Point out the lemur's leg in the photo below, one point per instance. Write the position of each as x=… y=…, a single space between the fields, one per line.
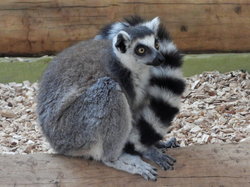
x=96 y=124
x=112 y=112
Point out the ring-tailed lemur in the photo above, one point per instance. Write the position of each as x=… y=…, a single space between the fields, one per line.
x=165 y=85
x=92 y=94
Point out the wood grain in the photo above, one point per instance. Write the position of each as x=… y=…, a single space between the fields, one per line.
x=48 y=26
x=201 y=165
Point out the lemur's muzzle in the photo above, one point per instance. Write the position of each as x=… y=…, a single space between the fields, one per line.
x=158 y=60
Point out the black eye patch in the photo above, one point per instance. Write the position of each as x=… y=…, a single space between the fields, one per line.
x=157 y=45
x=141 y=50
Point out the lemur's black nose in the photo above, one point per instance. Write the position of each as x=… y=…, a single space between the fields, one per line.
x=159 y=59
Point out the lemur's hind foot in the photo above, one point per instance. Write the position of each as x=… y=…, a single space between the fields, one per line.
x=134 y=165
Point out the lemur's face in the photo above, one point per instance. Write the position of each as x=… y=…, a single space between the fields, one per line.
x=142 y=51
x=145 y=51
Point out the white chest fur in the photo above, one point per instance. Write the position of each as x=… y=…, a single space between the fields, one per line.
x=141 y=81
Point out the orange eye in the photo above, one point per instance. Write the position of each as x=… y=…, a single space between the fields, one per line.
x=157 y=45
x=141 y=50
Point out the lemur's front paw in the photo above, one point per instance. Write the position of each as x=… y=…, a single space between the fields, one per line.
x=166 y=162
x=172 y=143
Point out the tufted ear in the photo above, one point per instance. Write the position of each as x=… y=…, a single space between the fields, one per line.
x=122 y=41
x=153 y=25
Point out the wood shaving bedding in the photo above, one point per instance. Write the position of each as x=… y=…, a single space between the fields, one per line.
x=215 y=109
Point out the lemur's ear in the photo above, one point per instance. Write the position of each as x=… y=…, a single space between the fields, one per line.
x=153 y=25
x=122 y=41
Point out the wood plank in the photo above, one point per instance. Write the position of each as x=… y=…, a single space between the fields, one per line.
x=48 y=26
x=201 y=165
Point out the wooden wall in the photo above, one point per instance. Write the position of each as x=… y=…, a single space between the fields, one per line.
x=48 y=26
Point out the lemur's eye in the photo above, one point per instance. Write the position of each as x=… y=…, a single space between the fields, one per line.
x=141 y=50
x=157 y=46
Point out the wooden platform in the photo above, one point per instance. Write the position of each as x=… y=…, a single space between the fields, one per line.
x=48 y=26
x=225 y=165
